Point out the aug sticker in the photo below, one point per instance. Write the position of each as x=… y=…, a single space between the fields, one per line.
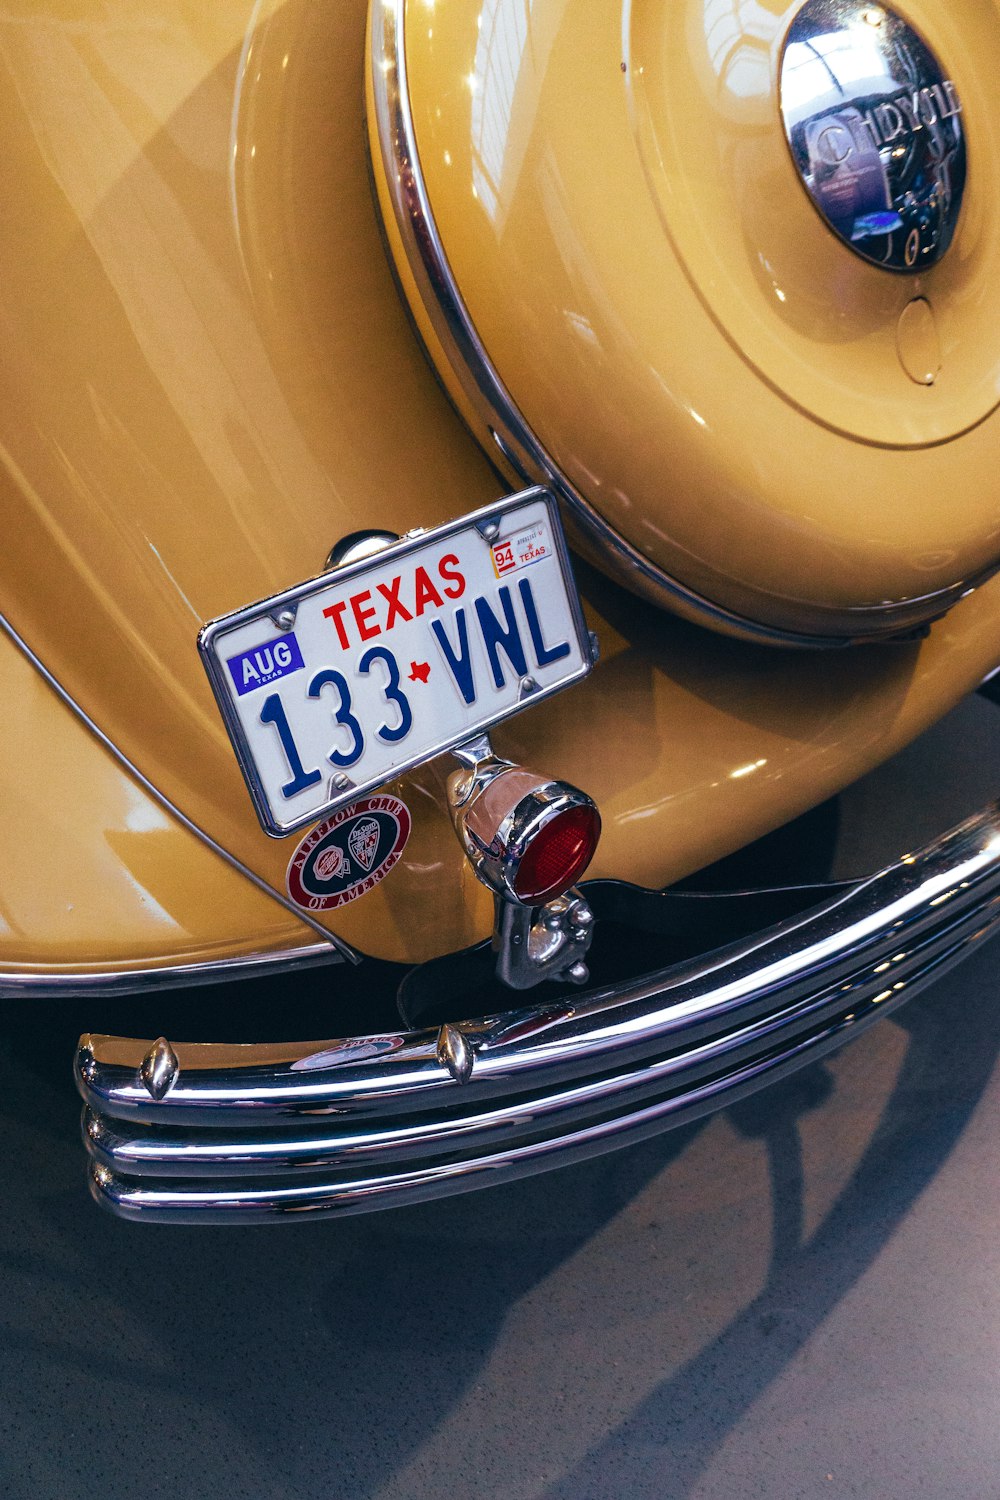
x=349 y=853
x=262 y=665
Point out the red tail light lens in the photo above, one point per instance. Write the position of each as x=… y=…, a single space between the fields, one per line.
x=558 y=855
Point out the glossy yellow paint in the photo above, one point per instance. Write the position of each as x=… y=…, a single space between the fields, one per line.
x=96 y=873
x=710 y=367
x=691 y=743
x=208 y=378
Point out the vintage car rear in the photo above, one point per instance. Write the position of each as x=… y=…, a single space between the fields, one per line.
x=314 y=316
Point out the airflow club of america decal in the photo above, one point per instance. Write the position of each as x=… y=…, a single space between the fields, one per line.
x=349 y=853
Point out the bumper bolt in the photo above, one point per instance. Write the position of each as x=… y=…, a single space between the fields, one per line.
x=160 y=1069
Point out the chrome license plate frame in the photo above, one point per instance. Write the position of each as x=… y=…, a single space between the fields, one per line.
x=505 y=594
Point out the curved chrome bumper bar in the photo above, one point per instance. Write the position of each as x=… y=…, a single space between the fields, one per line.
x=254 y=1133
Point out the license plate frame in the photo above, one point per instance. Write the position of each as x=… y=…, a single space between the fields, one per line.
x=228 y=644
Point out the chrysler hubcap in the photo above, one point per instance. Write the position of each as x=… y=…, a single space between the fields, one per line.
x=875 y=128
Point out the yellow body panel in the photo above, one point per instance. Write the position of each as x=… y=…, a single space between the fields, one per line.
x=208 y=378
x=96 y=872
x=697 y=353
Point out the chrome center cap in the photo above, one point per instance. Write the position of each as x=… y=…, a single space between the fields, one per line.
x=875 y=129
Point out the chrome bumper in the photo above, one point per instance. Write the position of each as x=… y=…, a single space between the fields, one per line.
x=248 y=1134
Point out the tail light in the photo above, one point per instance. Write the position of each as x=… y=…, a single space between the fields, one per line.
x=558 y=850
x=528 y=838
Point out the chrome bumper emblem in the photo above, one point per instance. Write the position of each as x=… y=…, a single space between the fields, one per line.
x=875 y=130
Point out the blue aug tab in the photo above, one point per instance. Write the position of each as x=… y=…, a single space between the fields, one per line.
x=265 y=664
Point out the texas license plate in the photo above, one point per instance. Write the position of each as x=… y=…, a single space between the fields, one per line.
x=333 y=688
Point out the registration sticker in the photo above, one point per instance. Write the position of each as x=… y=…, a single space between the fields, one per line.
x=347 y=855
x=528 y=546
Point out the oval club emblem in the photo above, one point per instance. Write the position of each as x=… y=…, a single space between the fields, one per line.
x=347 y=854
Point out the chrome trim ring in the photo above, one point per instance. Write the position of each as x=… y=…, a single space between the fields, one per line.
x=515 y=440
x=262 y=1133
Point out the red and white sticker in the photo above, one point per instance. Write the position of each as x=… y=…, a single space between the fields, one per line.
x=347 y=854
x=522 y=549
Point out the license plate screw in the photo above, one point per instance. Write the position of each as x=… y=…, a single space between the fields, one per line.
x=527 y=686
x=284 y=619
x=489 y=530
x=341 y=782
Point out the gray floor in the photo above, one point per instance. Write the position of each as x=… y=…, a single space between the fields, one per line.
x=800 y=1297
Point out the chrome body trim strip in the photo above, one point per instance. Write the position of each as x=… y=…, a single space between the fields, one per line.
x=51 y=984
x=259 y=1133
x=17 y=640
x=515 y=439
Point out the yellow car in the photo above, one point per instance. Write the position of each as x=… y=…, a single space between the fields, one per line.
x=468 y=468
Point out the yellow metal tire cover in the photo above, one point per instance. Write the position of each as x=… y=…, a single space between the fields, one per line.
x=804 y=439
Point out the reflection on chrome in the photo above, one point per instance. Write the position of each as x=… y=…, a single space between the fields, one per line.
x=249 y=1134
x=875 y=129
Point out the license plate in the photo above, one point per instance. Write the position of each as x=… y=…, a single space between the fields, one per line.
x=335 y=687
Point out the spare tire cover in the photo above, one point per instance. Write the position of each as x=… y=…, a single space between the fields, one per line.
x=727 y=275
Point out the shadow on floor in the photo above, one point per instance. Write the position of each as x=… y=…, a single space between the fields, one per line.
x=320 y=1361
